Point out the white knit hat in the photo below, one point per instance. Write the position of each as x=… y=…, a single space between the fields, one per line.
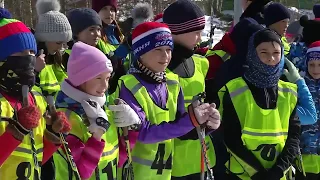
x=52 y=25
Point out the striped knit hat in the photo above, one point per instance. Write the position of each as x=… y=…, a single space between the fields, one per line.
x=15 y=37
x=184 y=16
x=150 y=35
x=313 y=52
x=159 y=18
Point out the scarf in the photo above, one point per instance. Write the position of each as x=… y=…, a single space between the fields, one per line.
x=70 y=97
x=139 y=68
x=109 y=31
x=259 y=74
x=16 y=71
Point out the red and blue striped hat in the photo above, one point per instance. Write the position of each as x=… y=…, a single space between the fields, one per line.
x=15 y=37
x=150 y=35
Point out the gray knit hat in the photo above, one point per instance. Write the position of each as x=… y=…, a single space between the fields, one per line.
x=52 y=26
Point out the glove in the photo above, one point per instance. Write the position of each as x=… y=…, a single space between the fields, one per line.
x=291 y=73
x=124 y=115
x=214 y=117
x=98 y=119
x=55 y=124
x=199 y=113
x=40 y=62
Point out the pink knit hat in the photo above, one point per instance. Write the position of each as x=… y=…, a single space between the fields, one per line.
x=85 y=63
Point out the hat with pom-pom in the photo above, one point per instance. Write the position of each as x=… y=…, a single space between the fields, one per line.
x=4 y=13
x=150 y=35
x=85 y=63
x=52 y=26
x=15 y=37
x=311 y=29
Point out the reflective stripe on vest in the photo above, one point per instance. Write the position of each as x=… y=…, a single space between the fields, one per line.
x=266 y=137
x=107 y=165
x=222 y=54
x=153 y=161
x=48 y=80
x=191 y=148
x=20 y=164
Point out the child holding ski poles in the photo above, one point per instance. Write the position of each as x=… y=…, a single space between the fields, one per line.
x=157 y=104
x=93 y=139
x=27 y=139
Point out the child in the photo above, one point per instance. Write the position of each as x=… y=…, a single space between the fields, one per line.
x=276 y=17
x=111 y=33
x=158 y=101
x=93 y=139
x=260 y=127
x=52 y=32
x=186 y=22
x=25 y=136
x=310 y=133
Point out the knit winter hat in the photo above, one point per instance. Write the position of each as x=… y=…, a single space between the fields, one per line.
x=150 y=35
x=311 y=29
x=275 y=12
x=85 y=63
x=82 y=18
x=15 y=37
x=159 y=18
x=313 y=52
x=316 y=10
x=52 y=25
x=142 y=12
x=97 y=5
x=5 y=13
x=184 y=16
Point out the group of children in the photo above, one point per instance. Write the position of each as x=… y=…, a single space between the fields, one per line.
x=77 y=113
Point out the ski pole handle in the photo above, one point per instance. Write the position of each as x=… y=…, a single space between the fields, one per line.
x=25 y=91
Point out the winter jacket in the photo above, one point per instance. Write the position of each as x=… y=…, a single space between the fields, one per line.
x=297 y=55
x=266 y=98
x=109 y=31
x=225 y=44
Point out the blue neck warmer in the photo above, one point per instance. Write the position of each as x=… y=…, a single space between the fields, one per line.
x=109 y=31
x=259 y=74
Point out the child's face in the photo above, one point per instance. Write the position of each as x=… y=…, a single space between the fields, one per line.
x=189 y=40
x=97 y=86
x=280 y=27
x=157 y=59
x=91 y=35
x=269 y=53
x=54 y=47
x=314 y=69
x=107 y=14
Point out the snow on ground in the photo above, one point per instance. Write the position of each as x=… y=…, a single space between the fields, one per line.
x=218 y=33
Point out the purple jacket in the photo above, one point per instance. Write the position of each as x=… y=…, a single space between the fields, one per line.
x=166 y=130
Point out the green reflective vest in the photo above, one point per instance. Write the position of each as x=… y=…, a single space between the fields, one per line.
x=222 y=54
x=266 y=136
x=107 y=165
x=48 y=80
x=286 y=45
x=187 y=153
x=153 y=161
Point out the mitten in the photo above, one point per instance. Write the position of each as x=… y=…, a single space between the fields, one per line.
x=292 y=72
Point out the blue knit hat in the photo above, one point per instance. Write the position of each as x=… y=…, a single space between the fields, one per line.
x=150 y=35
x=275 y=12
x=15 y=37
x=4 y=13
x=316 y=10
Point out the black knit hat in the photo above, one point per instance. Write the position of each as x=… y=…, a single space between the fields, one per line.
x=311 y=29
x=275 y=12
x=184 y=16
x=82 y=18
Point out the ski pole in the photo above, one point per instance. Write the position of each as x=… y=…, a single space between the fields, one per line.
x=25 y=103
x=53 y=113
x=204 y=157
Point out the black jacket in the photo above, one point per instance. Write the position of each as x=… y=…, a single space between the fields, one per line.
x=266 y=98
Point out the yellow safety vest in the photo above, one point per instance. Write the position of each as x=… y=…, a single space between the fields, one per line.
x=20 y=164
x=222 y=54
x=286 y=45
x=107 y=165
x=187 y=153
x=60 y=74
x=264 y=137
x=153 y=161
x=48 y=80
x=311 y=163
